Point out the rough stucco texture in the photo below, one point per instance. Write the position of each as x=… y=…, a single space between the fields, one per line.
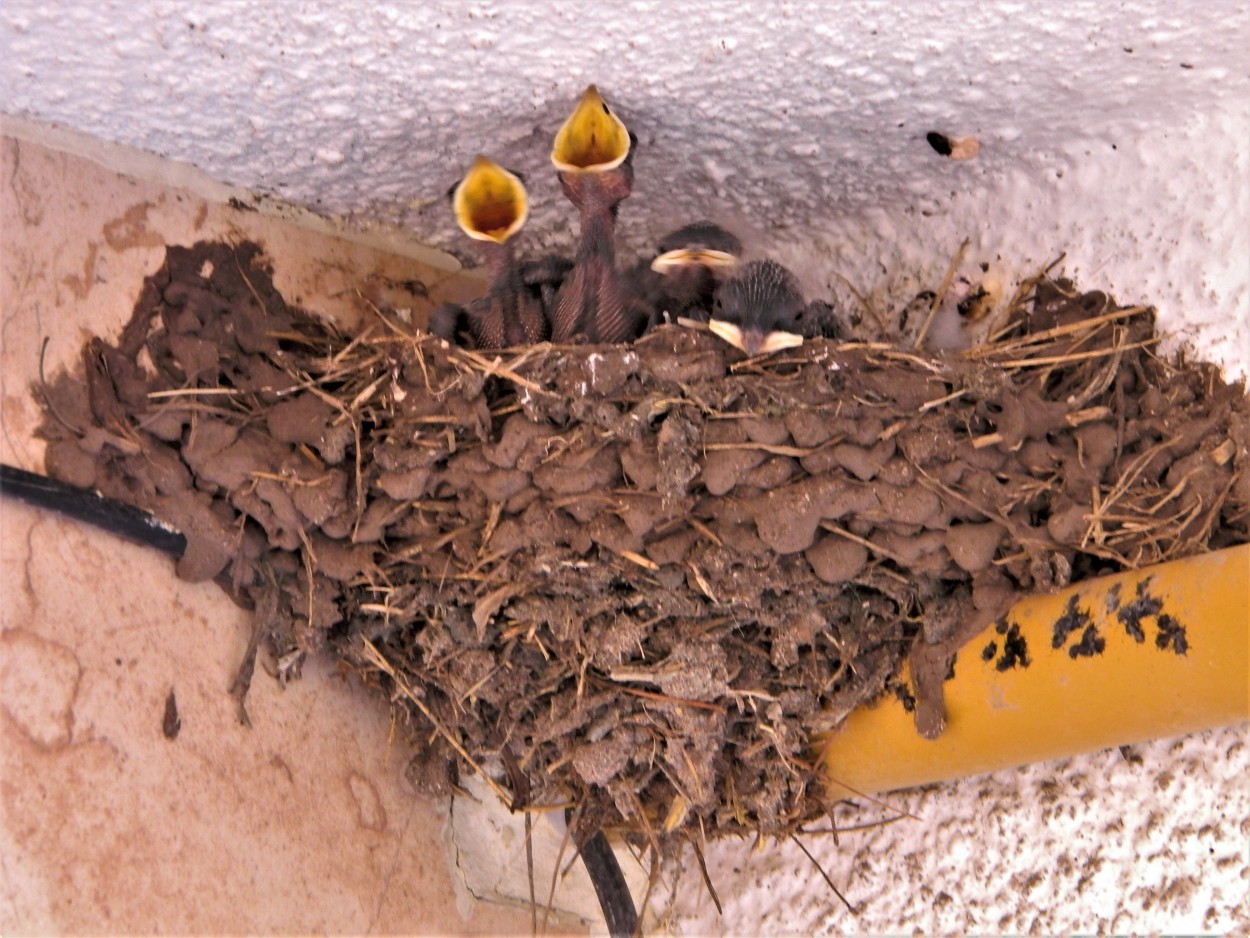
x=1152 y=838
x=1117 y=134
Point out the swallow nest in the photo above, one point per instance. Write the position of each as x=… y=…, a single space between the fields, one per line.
x=642 y=579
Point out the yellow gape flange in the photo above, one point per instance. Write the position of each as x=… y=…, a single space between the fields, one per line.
x=593 y=139
x=490 y=203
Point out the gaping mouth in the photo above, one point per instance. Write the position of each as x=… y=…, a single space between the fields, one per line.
x=592 y=140
x=752 y=341
x=490 y=203
x=690 y=257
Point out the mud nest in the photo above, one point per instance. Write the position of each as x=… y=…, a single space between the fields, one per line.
x=640 y=579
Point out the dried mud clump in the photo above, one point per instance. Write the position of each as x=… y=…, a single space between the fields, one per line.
x=639 y=579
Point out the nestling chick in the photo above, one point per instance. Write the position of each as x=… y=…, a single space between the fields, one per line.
x=593 y=155
x=543 y=278
x=761 y=310
x=491 y=206
x=683 y=277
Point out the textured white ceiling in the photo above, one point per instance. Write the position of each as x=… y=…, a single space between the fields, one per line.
x=1116 y=133
x=794 y=112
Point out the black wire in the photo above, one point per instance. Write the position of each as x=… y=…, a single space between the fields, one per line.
x=610 y=886
x=125 y=521
x=606 y=876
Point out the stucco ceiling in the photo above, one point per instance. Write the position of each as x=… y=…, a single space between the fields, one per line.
x=1105 y=129
x=792 y=115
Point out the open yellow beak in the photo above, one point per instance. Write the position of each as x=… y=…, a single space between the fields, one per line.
x=490 y=203
x=685 y=257
x=753 y=343
x=592 y=140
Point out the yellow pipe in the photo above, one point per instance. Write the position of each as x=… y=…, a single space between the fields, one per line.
x=1063 y=702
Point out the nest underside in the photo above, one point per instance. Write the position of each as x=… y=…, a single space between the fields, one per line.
x=639 y=579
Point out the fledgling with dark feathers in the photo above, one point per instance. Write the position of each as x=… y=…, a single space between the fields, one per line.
x=681 y=280
x=761 y=310
x=818 y=321
x=595 y=300
x=701 y=236
x=542 y=278
x=510 y=314
x=593 y=155
x=540 y=281
x=491 y=206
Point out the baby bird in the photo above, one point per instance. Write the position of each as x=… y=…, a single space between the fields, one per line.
x=682 y=279
x=761 y=310
x=543 y=277
x=593 y=154
x=491 y=206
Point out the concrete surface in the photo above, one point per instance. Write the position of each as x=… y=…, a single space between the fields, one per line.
x=1154 y=839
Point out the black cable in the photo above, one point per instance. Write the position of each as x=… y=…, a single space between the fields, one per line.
x=125 y=521
x=610 y=886
x=606 y=876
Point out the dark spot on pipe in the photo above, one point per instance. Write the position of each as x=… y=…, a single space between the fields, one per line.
x=1091 y=644
x=1143 y=606
x=1171 y=633
x=1113 y=598
x=1071 y=620
x=905 y=697
x=1015 y=651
